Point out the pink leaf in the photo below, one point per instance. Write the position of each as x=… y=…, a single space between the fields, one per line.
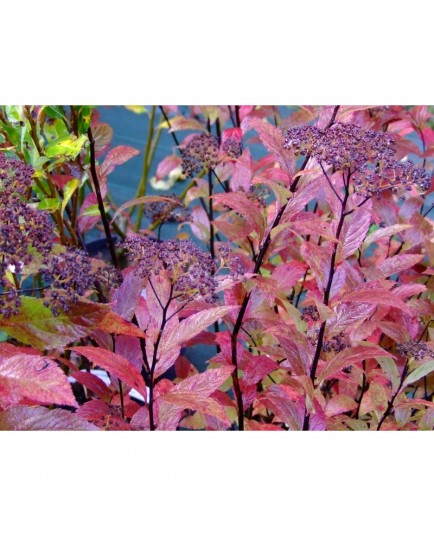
x=273 y=139
x=396 y=264
x=247 y=209
x=167 y=165
x=117 y=156
x=114 y=364
x=349 y=357
x=353 y=233
x=40 y=418
x=126 y=297
x=376 y=296
x=36 y=378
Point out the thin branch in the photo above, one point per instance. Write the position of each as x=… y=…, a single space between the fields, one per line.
x=105 y=222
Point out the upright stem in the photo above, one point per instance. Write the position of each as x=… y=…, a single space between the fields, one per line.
x=154 y=356
x=101 y=208
x=146 y=165
x=327 y=295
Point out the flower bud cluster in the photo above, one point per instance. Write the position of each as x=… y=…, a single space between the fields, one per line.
x=201 y=152
x=369 y=155
x=190 y=270
x=167 y=211
x=25 y=232
x=414 y=350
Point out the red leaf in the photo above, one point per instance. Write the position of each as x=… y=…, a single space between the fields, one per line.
x=103 y=415
x=40 y=418
x=256 y=367
x=318 y=259
x=114 y=364
x=35 y=378
x=376 y=296
x=286 y=404
x=93 y=383
x=249 y=211
x=117 y=156
x=193 y=393
x=194 y=324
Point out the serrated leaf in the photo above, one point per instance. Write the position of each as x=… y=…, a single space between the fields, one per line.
x=386 y=232
x=272 y=138
x=114 y=364
x=353 y=233
x=193 y=393
x=35 y=378
x=193 y=325
x=348 y=357
x=247 y=209
x=376 y=296
x=40 y=418
x=117 y=156
x=396 y=264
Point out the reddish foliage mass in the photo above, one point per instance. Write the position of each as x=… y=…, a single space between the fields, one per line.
x=309 y=280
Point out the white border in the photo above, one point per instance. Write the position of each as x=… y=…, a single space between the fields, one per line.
x=196 y=52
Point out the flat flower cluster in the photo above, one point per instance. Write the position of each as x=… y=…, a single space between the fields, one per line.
x=201 y=152
x=369 y=155
x=165 y=211
x=190 y=270
x=414 y=350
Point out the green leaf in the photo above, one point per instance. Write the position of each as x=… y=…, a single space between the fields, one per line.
x=93 y=210
x=66 y=146
x=69 y=189
x=14 y=113
x=51 y=205
x=420 y=372
x=84 y=116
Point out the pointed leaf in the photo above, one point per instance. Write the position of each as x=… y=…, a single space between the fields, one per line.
x=193 y=325
x=114 y=364
x=348 y=357
x=420 y=372
x=117 y=156
x=247 y=209
x=396 y=264
x=353 y=232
